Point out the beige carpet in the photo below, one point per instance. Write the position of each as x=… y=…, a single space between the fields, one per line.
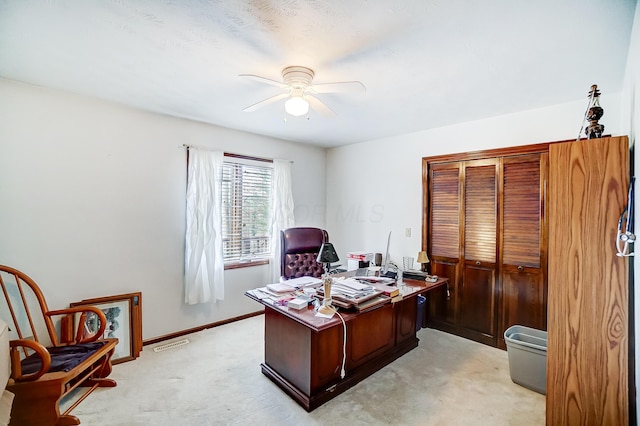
x=216 y=380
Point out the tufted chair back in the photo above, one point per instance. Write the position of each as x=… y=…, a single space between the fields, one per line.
x=300 y=248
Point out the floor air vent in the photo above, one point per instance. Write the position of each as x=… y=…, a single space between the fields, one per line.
x=170 y=345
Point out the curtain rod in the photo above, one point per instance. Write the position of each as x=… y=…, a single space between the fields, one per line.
x=231 y=154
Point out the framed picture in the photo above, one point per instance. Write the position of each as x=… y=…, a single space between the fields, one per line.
x=124 y=322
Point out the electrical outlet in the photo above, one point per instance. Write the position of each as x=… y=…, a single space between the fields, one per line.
x=407 y=232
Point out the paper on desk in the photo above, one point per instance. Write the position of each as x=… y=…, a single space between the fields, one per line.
x=337 y=288
x=281 y=287
x=259 y=294
x=268 y=292
x=303 y=281
x=353 y=284
x=321 y=315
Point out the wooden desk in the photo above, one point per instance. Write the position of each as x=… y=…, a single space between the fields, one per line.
x=304 y=353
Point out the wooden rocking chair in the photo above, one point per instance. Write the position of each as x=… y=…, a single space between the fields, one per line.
x=44 y=367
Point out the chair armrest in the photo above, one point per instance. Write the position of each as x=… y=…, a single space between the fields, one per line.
x=16 y=367
x=81 y=334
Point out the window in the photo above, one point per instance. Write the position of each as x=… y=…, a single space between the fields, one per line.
x=246 y=203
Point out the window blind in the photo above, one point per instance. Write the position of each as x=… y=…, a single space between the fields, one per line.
x=246 y=195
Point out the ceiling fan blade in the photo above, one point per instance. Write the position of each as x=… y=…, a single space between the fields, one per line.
x=264 y=80
x=320 y=106
x=339 y=87
x=266 y=102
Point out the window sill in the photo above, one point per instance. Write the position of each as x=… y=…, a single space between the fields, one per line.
x=246 y=264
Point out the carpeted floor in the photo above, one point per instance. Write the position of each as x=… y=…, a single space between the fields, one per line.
x=216 y=380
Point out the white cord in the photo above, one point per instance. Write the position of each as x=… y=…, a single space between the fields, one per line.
x=344 y=342
x=344 y=346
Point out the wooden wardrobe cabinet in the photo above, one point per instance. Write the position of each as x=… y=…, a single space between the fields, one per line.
x=486 y=232
x=588 y=338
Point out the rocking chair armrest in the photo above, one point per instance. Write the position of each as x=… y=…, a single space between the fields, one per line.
x=81 y=335
x=16 y=366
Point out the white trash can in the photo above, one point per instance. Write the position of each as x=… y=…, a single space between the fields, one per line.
x=527 y=351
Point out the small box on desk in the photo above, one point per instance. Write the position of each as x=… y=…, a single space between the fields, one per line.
x=354 y=264
x=298 y=303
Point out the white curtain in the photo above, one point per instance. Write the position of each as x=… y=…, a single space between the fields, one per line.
x=281 y=211
x=204 y=263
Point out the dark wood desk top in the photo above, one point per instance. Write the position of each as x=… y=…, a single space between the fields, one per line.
x=308 y=316
x=424 y=286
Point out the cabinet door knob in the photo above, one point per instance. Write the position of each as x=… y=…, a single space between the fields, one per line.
x=520 y=268
x=478 y=263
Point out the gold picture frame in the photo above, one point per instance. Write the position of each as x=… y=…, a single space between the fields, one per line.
x=124 y=321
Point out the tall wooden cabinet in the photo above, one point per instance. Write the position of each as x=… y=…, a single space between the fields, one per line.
x=486 y=232
x=587 y=355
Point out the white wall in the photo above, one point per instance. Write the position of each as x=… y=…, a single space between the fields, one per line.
x=376 y=187
x=92 y=199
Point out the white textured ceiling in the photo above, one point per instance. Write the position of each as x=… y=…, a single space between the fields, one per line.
x=425 y=63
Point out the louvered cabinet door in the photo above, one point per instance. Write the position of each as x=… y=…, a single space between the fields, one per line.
x=478 y=292
x=444 y=241
x=523 y=244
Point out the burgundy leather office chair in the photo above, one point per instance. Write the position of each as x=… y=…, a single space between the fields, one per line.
x=300 y=248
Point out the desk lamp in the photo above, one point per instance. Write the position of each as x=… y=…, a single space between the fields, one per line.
x=423 y=259
x=326 y=256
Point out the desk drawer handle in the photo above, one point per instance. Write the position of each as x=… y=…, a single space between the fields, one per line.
x=521 y=268
x=478 y=263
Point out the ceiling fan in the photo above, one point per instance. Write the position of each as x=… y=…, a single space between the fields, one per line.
x=300 y=92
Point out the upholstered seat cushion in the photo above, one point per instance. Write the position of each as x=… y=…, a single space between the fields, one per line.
x=63 y=358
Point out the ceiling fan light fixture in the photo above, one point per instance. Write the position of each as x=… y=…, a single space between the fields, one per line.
x=296 y=106
x=300 y=92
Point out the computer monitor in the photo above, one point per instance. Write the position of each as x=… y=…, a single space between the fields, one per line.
x=385 y=265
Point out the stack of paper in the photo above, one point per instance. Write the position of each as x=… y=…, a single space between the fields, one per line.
x=352 y=291
x=281 y=288
x=303 y=282
x=353 y=284
x=294 y=284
